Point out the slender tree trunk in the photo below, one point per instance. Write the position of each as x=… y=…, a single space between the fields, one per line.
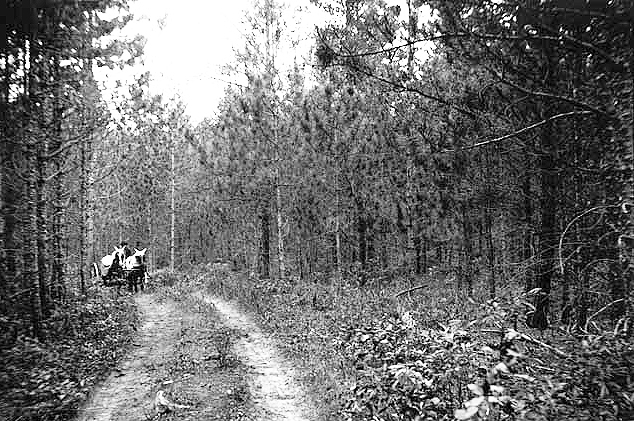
x=120 y=216
x=31 y=231
x=417 y=248
x=9 y=211
x=468 y=249
x=82 y=221
x=621 y=285
x=91 y=251
x=547 y=237
x=150 y=263
x=30 y=255
x=6 y=148
x=57 y=270
x=411 y=234
x=527 y=250
x=629 y=270
x=370 y=233
x=264 y=261
x=42 y=228
x=362 y=239
x=280 y=231
x=172 y=206
x=338 y=236
x=338 y=222
x=491 y=250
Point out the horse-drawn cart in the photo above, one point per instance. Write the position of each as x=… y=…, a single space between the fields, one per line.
x=135 y=277
x=118 y=270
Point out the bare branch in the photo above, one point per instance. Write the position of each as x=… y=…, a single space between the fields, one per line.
x=497 y=37
x=518 y=132
x=409 y=290
x=547 y=95
x=571 y=223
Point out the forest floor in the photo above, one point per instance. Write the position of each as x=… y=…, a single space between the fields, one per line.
x=210 y=361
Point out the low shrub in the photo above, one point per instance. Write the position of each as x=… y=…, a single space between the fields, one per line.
x=85 y=338
x=434 y=354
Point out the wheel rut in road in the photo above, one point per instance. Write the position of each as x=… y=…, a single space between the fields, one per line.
x=275 y=393
x=124 y=394
x=129 y=391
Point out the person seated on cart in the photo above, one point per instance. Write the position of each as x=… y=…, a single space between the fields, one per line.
x=113 y=264
x=126 y=250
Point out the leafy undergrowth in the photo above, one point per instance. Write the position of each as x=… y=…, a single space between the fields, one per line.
x=85 y=338
x=434 y=355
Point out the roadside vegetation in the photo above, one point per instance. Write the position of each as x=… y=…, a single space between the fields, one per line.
x=435 y=354
x=50 y=377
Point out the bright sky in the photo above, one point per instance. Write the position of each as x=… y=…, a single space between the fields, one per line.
x=190 y=41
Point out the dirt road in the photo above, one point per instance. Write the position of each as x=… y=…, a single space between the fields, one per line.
x=176 y=351
x=125 y=391
x=271 y=380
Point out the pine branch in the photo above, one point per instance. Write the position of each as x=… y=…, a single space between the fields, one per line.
x=403 y=88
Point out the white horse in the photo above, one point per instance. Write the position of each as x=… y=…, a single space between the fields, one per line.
x=134 y=268
x=112 y=264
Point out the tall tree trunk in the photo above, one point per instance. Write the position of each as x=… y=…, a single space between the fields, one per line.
x=57 y=208
x=280 y=231
x=621 y=285
x=547 y=236
x=264 y=261
x=6 y=148
x=362 y=239
x=31 y=229
x=338 y=232
x=150 y=240
x=490 y=249
x=527 y=247
x=42 y=226
x=172 y=206
x=30 y=255
x=467 y=228
x=82 y=220
x=338 y=215
x=10 y=200
x=91 y=251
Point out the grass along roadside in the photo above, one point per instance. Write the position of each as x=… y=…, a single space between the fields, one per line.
x=432 y=354
x=85 y=340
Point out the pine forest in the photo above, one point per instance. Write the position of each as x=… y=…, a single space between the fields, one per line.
x=426 y=215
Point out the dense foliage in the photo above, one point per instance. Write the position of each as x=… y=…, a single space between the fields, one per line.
x=433 y=356
x=51 y=117
x=49 y=380
x=493 y=139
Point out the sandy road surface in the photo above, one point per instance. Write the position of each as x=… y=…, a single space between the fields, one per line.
x=125 y=393
x=275 y=394
x=128 y=393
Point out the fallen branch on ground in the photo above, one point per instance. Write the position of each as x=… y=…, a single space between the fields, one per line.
x=409 y=290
